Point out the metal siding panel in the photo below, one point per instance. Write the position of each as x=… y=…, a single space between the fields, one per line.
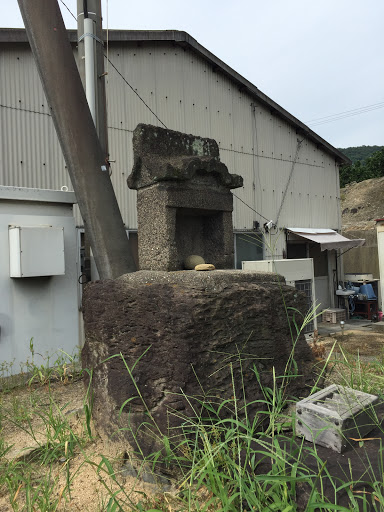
x=20 y=84
x=282 y=169
x=243 y=217
x=243 y=123
x=196 y=97
x=265 y=132
x=221 y=110
x=31 y=154
x=298 y=198
x=267 y=187
x=286 y=140
x=318 y=202
x=186 y=94
x=334 y=213
x=121 y=150
x=169 y=88
x=125 y=108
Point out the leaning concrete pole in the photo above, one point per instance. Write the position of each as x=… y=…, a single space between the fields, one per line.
x=76 y=131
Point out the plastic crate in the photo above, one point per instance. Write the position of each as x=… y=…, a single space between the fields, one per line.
x=334 y=316
x=335 y=415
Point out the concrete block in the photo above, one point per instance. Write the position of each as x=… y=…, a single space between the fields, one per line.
x=334 y=415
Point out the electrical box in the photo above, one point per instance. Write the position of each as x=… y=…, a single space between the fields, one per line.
x=36 y=251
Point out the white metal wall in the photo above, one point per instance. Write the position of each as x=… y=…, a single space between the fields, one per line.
x=42 y=308
x=187 y=95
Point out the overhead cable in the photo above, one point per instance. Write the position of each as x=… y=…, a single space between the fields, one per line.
x=250 y=207
x=69 y=10
x=345 y=114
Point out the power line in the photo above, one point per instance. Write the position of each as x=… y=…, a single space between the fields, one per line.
x=250 y=207
x=345 y=114
x=69 y=10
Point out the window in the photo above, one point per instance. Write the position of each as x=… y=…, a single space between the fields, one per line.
x=296 y=250
x=248 y=247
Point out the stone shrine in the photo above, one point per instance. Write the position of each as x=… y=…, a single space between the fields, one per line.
x=162 y=334
x=184 y=203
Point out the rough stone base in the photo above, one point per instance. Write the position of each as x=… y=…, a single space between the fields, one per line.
x=181 y=333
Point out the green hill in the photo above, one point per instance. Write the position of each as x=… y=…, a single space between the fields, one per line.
x=360 y=153
x=368 y=162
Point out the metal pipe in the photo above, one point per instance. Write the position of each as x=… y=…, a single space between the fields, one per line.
x=90 y=75
x=92 y=10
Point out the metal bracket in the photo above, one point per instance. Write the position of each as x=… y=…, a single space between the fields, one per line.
x=88 y=34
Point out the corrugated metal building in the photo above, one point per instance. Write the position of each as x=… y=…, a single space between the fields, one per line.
x=192 y=91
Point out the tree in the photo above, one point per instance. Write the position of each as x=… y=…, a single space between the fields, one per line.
x=373 y=167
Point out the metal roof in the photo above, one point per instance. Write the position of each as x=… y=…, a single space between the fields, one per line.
x=37 y=195
x=183 y=39
x=327 y=238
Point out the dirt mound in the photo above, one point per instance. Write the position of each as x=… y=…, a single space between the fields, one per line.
x=362 y=203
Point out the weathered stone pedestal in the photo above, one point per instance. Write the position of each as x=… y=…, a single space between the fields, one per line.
x=190 y=326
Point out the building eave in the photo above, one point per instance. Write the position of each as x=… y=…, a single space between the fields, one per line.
x=14 y=35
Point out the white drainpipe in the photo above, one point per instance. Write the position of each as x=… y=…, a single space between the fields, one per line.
x=89 y=56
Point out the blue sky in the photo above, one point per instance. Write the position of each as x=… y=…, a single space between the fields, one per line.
x=316 y=58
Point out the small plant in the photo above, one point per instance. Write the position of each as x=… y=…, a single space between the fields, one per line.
x=57 y=367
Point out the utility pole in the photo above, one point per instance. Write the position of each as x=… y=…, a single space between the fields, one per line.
x=84 y=155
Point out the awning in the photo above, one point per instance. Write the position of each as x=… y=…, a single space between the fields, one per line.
x=327 y=238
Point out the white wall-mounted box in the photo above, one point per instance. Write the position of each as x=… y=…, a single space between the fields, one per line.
x=36 y=251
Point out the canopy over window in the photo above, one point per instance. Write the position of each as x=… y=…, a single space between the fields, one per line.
x=327 y=238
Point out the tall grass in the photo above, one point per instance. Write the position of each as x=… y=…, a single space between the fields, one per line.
x=246 y=462
x=227 y=456
x=237 y=461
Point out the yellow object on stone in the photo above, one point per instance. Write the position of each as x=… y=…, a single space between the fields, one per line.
x=205 y=266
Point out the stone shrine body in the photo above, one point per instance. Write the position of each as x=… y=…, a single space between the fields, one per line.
x=184 y=202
